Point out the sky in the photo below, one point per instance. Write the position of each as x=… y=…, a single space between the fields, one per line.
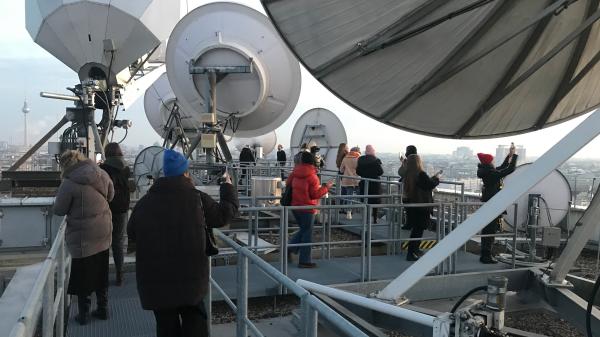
x=27 y=69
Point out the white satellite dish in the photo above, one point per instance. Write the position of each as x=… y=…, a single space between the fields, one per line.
x=554 y=189
x=159 y=100
x=92 y=37
x=148 y=163
x=228 y=34
x=267 y=142
x=322 y=127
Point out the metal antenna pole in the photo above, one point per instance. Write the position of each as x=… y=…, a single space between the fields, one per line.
x=559 y=153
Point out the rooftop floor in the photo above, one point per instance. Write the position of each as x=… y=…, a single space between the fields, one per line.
x=129 y=320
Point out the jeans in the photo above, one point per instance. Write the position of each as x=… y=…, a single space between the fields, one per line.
x=347 y=190
x=305 y=220
x=186 y=321
x=119 y=239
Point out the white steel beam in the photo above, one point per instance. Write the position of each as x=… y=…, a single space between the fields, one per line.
x=578 y=240
x=370 y=303
x=559 y=153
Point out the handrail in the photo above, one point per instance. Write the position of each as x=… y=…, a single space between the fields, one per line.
x=306 y=298
x=42 y=297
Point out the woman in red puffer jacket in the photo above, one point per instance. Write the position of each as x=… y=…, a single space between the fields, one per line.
x=306 y=191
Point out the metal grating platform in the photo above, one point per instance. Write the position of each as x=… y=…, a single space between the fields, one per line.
x=129 y=320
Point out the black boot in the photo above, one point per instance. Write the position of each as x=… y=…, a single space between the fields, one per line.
x=119 y=279
x=488 y=259
x=102 y=298
x=83 y=304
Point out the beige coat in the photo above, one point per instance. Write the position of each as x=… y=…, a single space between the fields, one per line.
x=348 y=168
x=83 y=197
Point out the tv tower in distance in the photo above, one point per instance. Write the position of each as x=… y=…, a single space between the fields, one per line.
x=25 y=111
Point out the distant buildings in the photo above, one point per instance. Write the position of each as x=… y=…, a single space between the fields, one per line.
x=462 y=152
x=502 y=152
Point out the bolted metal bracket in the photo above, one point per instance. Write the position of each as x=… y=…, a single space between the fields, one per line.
x=554 y=284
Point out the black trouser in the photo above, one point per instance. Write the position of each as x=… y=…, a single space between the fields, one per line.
x=84 y=301
x=119 y=239
x=487 y=242
x=415 y=233
x=418 y=219
x=186 y=321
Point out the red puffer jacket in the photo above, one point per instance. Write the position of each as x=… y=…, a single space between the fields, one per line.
x=306 y=189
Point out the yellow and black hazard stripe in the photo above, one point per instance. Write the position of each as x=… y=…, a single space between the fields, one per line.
x=425 y=244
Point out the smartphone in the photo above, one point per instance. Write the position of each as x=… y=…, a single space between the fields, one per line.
x=439 y=172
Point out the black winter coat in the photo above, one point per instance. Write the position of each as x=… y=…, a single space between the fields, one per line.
x=281 y=157
x=119 y=173
x=492 y=176
x=168 y=226
x=370 y=167
x=246 y=156
x=418 y=217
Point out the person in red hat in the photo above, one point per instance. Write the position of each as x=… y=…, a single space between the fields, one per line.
x=492 y=184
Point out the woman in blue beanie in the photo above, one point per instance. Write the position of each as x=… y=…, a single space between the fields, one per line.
x=169 y=226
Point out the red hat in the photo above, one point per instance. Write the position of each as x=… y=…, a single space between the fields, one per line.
x=485 y=158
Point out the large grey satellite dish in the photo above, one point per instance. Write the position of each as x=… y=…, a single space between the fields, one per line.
x=556 y=194
x=322 y=127
x=451 y=68
x=93 y=37
x=266 y=142
x=148 y=166
x=159 y=100
x=232 y=35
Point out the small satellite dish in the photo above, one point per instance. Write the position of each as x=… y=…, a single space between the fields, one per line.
x=97 y=37
x=232 y=35
x=159 y=100
x=554 y=189
x=148 y=166
x=266 y=142
x=322 y=127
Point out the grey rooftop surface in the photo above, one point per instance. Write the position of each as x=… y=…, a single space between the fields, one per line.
x=129 y=320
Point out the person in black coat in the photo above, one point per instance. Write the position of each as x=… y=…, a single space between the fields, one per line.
x=418 y=187
x=281 y=159
x=492 y=184
x=369 y=166
x=119 y=173
x=169 y=225
x=246 y=159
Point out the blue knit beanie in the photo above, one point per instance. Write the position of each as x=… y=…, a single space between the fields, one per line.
x=174 y=163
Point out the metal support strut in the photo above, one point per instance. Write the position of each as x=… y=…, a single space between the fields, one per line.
x=559 y=153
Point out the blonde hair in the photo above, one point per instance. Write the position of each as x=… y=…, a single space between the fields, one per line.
x=70 y=158
x=414 y=166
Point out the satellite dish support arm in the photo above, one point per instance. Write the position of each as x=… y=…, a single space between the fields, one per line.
x=39 y=144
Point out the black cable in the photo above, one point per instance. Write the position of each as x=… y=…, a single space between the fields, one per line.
x=126 y=132
x=465 y=296
x=588 y=313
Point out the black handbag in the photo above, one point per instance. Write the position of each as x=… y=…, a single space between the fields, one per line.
x=286 y=198
x=211 y=243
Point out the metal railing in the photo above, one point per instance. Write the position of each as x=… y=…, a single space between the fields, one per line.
x=311 y=307
x=44 y=300
x=447 y=215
